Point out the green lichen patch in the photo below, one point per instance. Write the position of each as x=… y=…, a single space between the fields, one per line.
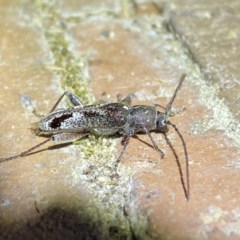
x=71 y=69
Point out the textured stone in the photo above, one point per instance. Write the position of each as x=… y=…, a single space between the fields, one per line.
x=68 y=192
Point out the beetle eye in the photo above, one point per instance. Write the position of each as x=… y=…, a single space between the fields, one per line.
x=161 y=122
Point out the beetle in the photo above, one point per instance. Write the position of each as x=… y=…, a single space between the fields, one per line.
x=103 y=119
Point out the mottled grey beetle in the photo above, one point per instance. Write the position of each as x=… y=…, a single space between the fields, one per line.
x=104 y=119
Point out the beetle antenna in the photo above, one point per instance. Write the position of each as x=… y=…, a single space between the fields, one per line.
x=186 y=185
x=168 y=112
x=169 y=106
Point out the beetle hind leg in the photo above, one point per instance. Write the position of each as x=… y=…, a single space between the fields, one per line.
x=127 y=100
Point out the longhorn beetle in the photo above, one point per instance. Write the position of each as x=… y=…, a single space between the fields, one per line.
x=104 y=119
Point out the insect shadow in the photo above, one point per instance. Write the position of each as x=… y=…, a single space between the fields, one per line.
x=69 y=125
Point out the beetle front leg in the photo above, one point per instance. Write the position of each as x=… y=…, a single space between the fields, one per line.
x=153 y=141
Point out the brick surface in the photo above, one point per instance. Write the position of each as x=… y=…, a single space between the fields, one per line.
x=68 y=192
x=211 y=32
